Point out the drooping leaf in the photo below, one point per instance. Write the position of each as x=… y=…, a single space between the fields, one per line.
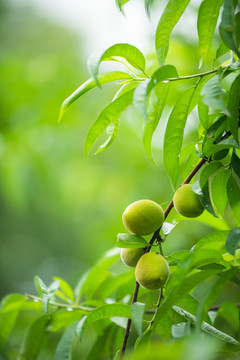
x=112 y=131
x=114 y=53
x=207 y=20
x=203 y=114
x=9 y=310
x=230 y=312
x=103 y=312
x=222 y=145
x=103 y=78
x=173 y=137
x=207 y=328
x=66 y=344
x=120 y=4
x=215 y=240
x=233 y=107
x=219 y=186
x=108 y=116
x=62 y=319
x=232 y=241
x=227 y=26
x=212 y=293
x=155 y=108
x=90 y=277
x=212 y=94
x=205 y=200
x=168 y=20
x=142 y=91
x=208 y=170
x=126 y=240
x=235 y=163
x=34 y=340
x=233 y=192
x=137 y=312
x=65 y=287
x=181 y=288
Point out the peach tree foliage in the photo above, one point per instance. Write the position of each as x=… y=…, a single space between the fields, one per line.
x=105 y=299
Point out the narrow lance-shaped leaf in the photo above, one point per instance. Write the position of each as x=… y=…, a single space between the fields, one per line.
x=45 y=292
x=114 y=53
x=168 y=20
x=137 y=312
x=232 y=241
x=174 y=134
x=212 y=95
x=131 y=241
x=103 y=312
x=143 y=90
x=206 y=24
x=178 y=292
x=212 y=293
x=227 y=26
x=219 y=186
x=66 y=344
x=233 y=107
x=34 y=339
x=207 y=328
x=208 y=171
x=233 y=192
x=235 y=163
x=203 y=114
x=108 y=116
x=111 y=131
x=103 y=78
x=157 y=102
x=120 y=4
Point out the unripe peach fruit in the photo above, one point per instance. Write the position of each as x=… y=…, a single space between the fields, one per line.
x=187 y=202
x=131 y=256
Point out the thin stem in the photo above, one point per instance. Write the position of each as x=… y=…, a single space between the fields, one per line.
x=71 y=306
x=186 y=77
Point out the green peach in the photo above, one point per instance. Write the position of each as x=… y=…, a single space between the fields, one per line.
x=143 y=217
x=152 y=271
x=131 y=256
x=186 y=202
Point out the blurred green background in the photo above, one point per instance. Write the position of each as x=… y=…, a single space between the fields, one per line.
x=57 y=214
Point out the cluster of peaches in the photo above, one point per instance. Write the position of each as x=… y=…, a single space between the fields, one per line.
x=144 y=217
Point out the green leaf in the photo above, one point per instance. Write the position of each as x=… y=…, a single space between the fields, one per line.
x=214 y=134
x=205 y=200
x=233 y=107
x=115 y=53
x=180 y=330
x=206 y=327
x=212 y=293
x=203 y=114
x=206 y=24
x=34 y=340
x=230 y=312
x=173 y=137
x=224 y=144
x=232 y=241
x=108 y=116
x=62 y=319
x=208 y=171
x=130 y=241
x=9 y=310
x=120 y=4
x=113 y=284
x=89 y=278
x=66 y=344
x=142 y=91
x=148 y=4
x=155 y=108
x=219 y=186
x=215 y=240
x=103 y=78
x=46 y=293
x=182 y=287
x=137 y=313
x=103 y=312
x=168 y=20
x=112 y=131
x=235 y=163
x=212 y=94
x=233 y=192
x=227 y=26
x=221 y=50
x=65 y=287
